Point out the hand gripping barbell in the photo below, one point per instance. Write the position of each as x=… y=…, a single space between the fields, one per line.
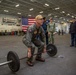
x=13 y=60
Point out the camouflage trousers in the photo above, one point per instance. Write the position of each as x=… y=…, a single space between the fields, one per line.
x=40 y=45
x=51 y=38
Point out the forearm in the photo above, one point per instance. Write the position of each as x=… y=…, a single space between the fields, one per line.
x=29 y=49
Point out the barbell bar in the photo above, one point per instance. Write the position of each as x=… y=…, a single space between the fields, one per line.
x=7 y=62
x=4 y=63
x=13 y=60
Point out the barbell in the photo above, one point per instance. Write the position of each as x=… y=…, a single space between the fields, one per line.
x=13 y=60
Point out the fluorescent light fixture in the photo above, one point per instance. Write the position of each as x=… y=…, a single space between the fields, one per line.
x=17 y=5
x=41 y=12
x=31 y=9
x=61 y=17
x=19 y=13
x=29 y=15
x=49 y=14
x=46 y=5
x=63 y=12
x=65 y=24
x=6 y=11
x=72 y=16
x=55 y=16
x=0 y=1
x=57 y=8
x=68 y=14
x=32 y=0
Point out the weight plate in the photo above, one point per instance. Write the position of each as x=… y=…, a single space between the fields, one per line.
x=51 y=50
x=15 y=64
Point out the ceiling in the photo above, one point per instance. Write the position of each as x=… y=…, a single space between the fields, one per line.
x=54 y=8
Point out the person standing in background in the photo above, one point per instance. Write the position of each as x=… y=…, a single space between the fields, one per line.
x=62 y=32
x=51 y=30
x=44 y=25
x=72 y=31
x=59 y=32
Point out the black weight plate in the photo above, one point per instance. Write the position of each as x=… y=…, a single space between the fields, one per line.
x=15 y=64
x=51 y=50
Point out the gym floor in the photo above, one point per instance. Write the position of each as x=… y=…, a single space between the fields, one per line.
x=63 y=63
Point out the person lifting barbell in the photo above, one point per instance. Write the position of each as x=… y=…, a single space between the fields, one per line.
x=35 y=36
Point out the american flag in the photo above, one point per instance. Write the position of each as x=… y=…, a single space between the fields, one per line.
x=27 y=22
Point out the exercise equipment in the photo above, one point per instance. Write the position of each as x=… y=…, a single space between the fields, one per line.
x=13 y=60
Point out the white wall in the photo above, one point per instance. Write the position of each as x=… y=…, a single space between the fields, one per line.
x=64 y=27
x=9 y=26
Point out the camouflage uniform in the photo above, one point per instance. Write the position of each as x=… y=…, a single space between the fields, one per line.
x=51 y=29
x=35 y=37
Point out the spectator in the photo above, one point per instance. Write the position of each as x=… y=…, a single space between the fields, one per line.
x=44 y=25
x=72 y=31
x=51 y=30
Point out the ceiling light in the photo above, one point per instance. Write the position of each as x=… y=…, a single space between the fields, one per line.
x=60 y=17
x=29 y=15
x=57 y=8
x=49 y=14
x=72 y=16
x=6 y=11
x=19 y=13
x=55 y=16
x=41 y=12
x=32 y=0
x=31 y=9
x=17 y=5
x=68 y=14
x=46 y=5
x=63 y=12
x=0 y=1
